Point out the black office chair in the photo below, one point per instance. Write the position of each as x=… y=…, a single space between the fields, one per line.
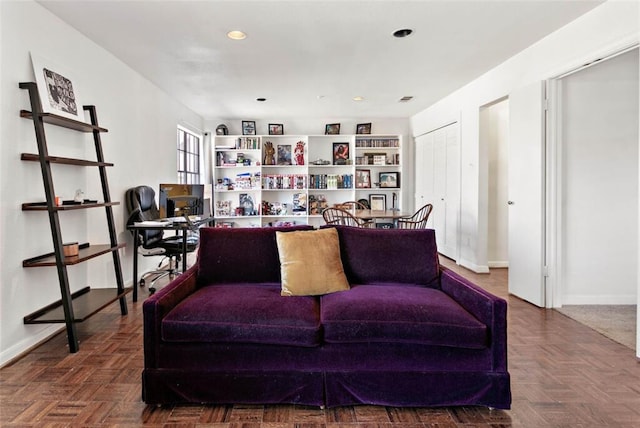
x=141 y=206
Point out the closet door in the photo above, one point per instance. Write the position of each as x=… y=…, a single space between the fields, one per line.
x=452 y=191
x=438 y=183
x=424 y=173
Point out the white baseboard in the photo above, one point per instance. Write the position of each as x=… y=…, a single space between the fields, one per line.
x=29 y=343
x=498 y=265
x=473 y=267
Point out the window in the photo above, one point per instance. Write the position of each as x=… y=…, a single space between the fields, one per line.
x=188 y=157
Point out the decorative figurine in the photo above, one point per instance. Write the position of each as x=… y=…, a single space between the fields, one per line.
x=269 y=153
x=298 y=153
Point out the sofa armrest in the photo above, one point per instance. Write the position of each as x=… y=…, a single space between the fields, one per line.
x=487 y=308
x=158 y=305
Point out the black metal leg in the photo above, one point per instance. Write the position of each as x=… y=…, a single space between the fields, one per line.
x=136 y=243
x=184 y=250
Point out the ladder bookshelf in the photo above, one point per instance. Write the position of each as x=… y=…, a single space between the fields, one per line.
x=80 y=305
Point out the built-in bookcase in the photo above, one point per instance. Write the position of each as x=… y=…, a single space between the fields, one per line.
x=269 y=180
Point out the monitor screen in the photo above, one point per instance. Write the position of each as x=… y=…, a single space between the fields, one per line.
x=177 y=200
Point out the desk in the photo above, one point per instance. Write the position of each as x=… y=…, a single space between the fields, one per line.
x=379 y=214
x=177 y=226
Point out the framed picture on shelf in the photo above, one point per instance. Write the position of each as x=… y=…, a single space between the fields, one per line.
x=332 y=129
x=378 y=202
x=340 y=153
x=284 y=154
x=248 y=127
x=57 y=89
x=363 y=179
x=363 y=128
x=246 y=202
x=276 y=129
x=389 y=179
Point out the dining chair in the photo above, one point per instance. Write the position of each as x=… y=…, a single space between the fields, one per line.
x=337 y=216
x=354 y=206
x=417 y=220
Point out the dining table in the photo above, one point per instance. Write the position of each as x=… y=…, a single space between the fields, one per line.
x=374 y=215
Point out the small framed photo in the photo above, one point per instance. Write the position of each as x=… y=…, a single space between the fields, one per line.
x=340 y=153
x=363 y=179
x=332 y=129
x=378 y=202
x=284 y=154
x=363 y=128
x=57 y=88
x=248 y=127
x=389 y=179
x=276 y=129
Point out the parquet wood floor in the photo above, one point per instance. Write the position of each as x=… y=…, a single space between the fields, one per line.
x=563 y=375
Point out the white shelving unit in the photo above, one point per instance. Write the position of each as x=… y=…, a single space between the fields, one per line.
x=268 y=180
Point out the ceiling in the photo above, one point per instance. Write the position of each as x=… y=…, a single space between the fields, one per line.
x=309 y=58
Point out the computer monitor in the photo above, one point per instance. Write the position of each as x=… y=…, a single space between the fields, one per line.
x=176 y=200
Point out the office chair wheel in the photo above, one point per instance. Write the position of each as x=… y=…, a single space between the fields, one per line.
x=152 y=290
x=142 y=283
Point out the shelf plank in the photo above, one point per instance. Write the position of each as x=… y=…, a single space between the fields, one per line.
x=42 y=206
x=62 y=160
x=86 y=302
x=86 y=252
x=54 y=119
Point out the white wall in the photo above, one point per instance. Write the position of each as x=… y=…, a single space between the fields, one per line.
x=606 y=28
x=141 y=120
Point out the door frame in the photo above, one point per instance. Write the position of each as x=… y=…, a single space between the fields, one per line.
x=554 y=183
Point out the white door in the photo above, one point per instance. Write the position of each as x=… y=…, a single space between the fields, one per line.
x=438 y=183
x=440 y=190
x=424 y=173
x=452 y=191
x=526 y=193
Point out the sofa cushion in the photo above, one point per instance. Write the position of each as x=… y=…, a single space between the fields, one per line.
x=224 y=254
x=399 y=314
x=310 y=263
x=244 y=313
x=393 y=256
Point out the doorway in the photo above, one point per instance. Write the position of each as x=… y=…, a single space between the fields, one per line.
x=519 y=130
x=494 y=139
x=597 y=183
x=595 y=167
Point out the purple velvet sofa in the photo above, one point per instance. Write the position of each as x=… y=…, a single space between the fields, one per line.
x=409 y=332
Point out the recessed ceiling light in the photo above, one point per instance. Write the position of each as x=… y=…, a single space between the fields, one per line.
x=261 y=99
x=406 y=98
x=236 y=35
x=358 y=98
x=402 y=33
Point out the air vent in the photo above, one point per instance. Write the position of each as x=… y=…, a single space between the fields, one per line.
x=405 y=99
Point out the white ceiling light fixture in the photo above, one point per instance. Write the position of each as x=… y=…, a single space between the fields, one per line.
x=236 y=35
x=358 y=98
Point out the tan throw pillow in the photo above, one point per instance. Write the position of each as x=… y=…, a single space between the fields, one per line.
x=310 y=263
